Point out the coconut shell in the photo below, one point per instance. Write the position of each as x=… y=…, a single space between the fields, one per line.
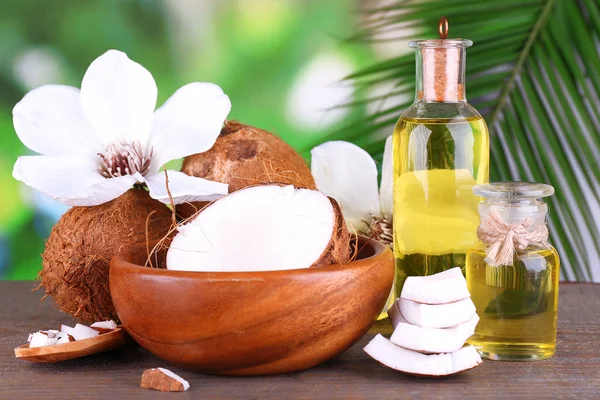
x=339 y=250
x=243 y=156
x=78 y=251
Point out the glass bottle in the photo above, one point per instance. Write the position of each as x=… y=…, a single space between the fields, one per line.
x=513 y=273
x=440 y=151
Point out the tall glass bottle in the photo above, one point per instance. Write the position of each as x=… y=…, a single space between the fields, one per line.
x=441 y=150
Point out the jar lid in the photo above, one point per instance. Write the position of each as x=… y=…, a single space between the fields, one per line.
x=513 y=190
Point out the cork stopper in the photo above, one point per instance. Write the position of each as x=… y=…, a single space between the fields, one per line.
x=442 y=67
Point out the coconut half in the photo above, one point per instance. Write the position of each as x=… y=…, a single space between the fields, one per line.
x=414 y=363
x=445 y=287
x=262 y=228
x=433 y=340
x=436 y=315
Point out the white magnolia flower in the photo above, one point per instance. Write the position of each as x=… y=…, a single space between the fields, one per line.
x=95 y=143
x=347 y=173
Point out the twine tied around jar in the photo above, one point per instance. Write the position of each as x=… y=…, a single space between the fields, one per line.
x=503 y=239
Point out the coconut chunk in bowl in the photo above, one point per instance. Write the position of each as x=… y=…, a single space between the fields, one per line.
x=250 y=323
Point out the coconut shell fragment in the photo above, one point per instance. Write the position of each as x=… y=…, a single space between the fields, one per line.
x=243 y=156
x=163 y=380
x=78 y=251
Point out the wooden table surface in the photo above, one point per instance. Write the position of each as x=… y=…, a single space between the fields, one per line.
x=573 y=373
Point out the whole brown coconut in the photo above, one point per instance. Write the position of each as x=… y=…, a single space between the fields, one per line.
x=77 y=254
x=243 y=156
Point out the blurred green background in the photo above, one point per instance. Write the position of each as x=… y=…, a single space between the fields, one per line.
x=533 y=73
x=280 y=62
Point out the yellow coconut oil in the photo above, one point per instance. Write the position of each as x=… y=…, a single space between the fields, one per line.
x=436 y=164
x=517 y=304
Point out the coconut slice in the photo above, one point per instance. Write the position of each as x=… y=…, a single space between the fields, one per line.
x=81 y=332
x=62 y=337
x=262 y=228
x=446 y=287
x=414 y=363
x=38 y=339
x=104 y=326
x=433 y=340
x=52 y=333
x=66 y=329
x=438 y=315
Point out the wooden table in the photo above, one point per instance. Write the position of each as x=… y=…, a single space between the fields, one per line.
x=573 y=373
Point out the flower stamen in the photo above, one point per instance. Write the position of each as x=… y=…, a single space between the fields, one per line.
x=124 y=158
x=379 y=229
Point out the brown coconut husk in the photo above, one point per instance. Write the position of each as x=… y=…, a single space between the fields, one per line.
x=339 y=250
x=80 y=246
x=243 y=156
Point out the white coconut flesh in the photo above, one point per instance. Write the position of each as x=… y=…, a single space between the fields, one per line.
x=412 y=362
x=259 y=228
x=437 y=315
x=445 y=287
x=433 y=340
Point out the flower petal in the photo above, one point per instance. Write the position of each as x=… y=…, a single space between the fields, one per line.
x=347 y=173
x=183 y=188
x=50 y=120
x=188 y=123
x=386 y=191
x=119 y=97
x=73 y=181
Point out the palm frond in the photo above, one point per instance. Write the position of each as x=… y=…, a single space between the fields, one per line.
x=534 y=74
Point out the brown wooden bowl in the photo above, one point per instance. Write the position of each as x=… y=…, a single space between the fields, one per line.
x=250 y=323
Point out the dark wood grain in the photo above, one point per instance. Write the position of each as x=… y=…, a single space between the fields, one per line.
x=573 y=373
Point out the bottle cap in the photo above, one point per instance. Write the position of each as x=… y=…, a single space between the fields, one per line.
x=442 y=66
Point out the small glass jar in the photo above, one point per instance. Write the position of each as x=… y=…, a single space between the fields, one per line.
x=513 y=273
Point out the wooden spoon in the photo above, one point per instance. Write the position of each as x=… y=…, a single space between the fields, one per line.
x=68 y=351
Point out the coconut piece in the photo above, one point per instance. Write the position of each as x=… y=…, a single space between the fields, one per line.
x=81 y=332
x=415 y=363
x=262 y=228
x=243 y=156
x=63 y=337
x=437 y=315
x=104 y=326
x=38 y=339
x=433 y=340
x=163 y=380
x=66 y=329
x=446 y=287
x=80 y=246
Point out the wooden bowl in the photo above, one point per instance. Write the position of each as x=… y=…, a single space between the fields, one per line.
x=250 y=323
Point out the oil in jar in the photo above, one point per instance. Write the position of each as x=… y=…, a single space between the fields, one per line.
x=517 y=304
x=436 y=164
